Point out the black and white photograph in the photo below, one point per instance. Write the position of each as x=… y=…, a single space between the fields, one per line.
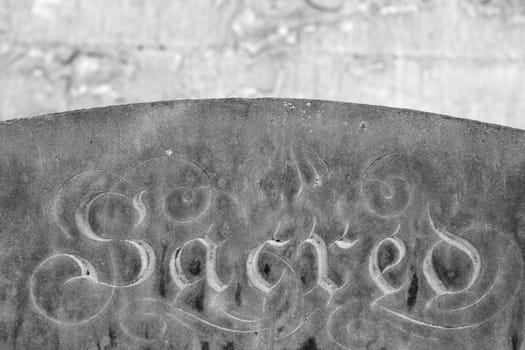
x=262 y=174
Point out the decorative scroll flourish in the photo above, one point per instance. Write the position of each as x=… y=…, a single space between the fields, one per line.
x=385 y=193
x=429 y=268
x=168 y=251
x=76 y=297
x=468 y=281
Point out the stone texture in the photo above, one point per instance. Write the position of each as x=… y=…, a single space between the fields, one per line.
x=260 y=224
x=463 y=58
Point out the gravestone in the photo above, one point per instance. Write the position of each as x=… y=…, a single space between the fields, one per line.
x=260 y=224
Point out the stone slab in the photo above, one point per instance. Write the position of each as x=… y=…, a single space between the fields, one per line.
x=260 y=224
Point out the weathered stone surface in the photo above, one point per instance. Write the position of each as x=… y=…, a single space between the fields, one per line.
x=260 y=224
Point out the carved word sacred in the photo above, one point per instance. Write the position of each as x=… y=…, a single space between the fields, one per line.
x=168 y=250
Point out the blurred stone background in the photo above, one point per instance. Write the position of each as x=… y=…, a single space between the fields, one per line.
x=460 y=57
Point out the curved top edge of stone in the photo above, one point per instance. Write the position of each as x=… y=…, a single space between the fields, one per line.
x=168 y=103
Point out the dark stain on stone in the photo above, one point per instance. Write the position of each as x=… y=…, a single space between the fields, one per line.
x=133 y=265
x=198 y=302
x=205 y=345
x=266 y=269
x=112 y=334
x=4 y=334
x=195 y=267
x=515 y=341
x=238 y=299
x=516 y=336
x=228 y=346
x=412 y=290
x=309 y=344
x=18 y=324
x=164 y=274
